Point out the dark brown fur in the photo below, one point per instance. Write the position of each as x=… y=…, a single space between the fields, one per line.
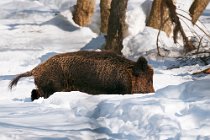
x=91 y=72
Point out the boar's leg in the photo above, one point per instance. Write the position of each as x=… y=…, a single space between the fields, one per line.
x=48 y=89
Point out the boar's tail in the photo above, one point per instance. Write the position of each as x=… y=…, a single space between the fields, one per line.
x=140 y=66
x=16 y=79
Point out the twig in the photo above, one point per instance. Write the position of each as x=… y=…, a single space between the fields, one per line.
x=178 y=27
x=199 y=44
x=191 y=30
x=196 y=53
x=195 y=25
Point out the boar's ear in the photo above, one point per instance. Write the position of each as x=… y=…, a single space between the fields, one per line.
x=140 y=66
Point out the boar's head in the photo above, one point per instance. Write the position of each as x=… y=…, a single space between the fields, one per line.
x=142 y=77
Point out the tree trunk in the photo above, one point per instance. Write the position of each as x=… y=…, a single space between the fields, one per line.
x=188 y=46
x=84 y=10
x=116 y=26
x=105 y=6
x=159 y=17
x=163 y=15
x=197 y=9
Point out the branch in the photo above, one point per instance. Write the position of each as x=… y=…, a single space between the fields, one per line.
x=178 y=27
x=195 y=25
x=205 y=71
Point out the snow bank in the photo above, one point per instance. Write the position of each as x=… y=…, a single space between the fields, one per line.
x=173 y=112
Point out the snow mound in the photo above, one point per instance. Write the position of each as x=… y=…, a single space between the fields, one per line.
x=189 y=91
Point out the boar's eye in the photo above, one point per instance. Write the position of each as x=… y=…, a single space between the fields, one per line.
x=136 y=71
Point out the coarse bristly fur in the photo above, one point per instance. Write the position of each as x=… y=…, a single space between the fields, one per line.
x=91 y=72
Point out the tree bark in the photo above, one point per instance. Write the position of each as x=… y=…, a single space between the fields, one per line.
x=159 y=17
x=105 y=6
x=188 y=46
x=116 y=26
x=83 y=13
x=197 y=8
x=163 y=15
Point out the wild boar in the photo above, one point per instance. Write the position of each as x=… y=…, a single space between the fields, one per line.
x=91 y=72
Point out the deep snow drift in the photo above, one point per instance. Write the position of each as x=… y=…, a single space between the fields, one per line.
x=32 y=31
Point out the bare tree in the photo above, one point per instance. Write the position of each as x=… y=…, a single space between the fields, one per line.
x=188 y=46
x=84 y=10
x=105 y=6
x=159 y=17
x=197 y=8
x=116 y=26
x=163 y=15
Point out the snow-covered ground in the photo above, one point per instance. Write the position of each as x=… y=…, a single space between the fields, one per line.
x=33 y=30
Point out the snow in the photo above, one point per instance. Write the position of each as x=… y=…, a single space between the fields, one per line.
x=32 y=31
